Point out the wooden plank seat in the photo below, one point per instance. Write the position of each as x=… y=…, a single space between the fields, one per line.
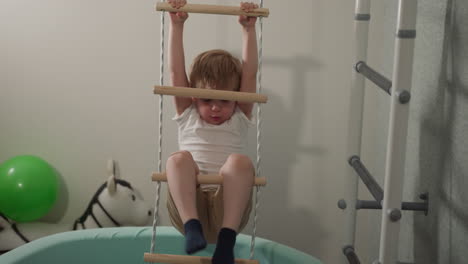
x=208 y=179
x=210 y=94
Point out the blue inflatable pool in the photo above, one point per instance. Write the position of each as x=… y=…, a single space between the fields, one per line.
x=125 y=245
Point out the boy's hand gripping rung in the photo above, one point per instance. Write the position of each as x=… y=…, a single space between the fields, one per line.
x=213 y=9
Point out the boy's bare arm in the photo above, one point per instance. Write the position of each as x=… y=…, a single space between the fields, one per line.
x=176 y=54
x=249 y=57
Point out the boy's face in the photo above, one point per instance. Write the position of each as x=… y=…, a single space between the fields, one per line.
x=216 y=112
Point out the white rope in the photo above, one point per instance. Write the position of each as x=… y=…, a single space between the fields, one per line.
x=158 y=184
x=259 y=135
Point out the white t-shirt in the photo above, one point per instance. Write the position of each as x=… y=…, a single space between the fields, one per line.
x=210 y=145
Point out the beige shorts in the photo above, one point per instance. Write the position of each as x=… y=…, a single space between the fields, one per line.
x=210 y=211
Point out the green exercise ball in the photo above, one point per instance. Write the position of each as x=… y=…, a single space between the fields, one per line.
x=28 y=188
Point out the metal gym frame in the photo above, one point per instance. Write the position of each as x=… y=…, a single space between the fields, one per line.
x=389 y=200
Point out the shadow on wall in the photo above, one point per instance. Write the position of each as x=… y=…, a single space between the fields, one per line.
x=441 y=237
x=281 y=133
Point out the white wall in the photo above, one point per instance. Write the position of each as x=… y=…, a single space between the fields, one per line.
x=76 y=83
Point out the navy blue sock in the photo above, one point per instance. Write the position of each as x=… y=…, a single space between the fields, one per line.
x=224 y=252
x=194 y=239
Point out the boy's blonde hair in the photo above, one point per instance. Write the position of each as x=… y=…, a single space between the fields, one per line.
x=215 y=69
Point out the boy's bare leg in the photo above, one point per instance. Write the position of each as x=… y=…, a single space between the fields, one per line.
x=238 y=173
x=182 y=173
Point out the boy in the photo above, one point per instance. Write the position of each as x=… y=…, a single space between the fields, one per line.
x=212 y=134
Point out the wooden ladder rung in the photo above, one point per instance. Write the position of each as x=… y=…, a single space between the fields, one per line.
x=183 y=259
x=210 y=94
x=212 y=9
x=208 y=179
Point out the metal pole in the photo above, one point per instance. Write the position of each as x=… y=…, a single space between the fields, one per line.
x=407 y=206
x=361 y=30
x=350 y=254
x=398 y=124
x=371 y=184
x=377 y=78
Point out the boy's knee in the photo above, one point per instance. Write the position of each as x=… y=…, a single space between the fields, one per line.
x=240 y=162
x=180 y=157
